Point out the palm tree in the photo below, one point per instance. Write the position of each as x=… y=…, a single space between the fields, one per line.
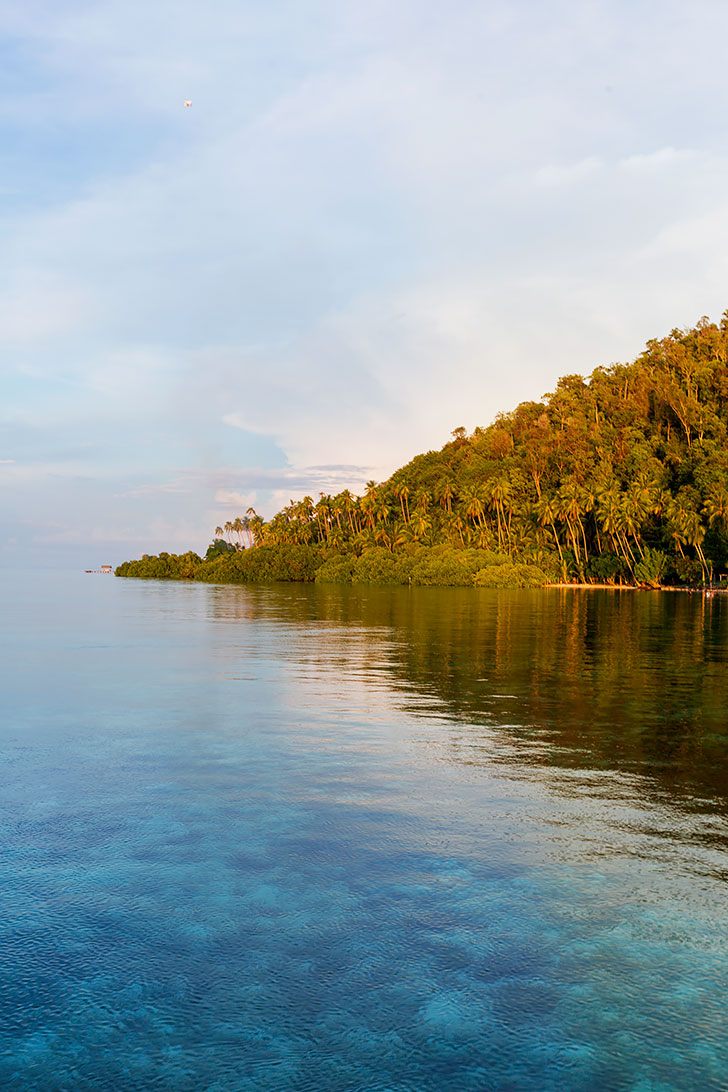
x=382 y=537
x=499 y=494
x=382 y=511
x=367 y=505
x=423 y=500
x=546 y=510
x=715 y=508
x=446 y=492
x=401 y=492
x=696 y=535
x=420 y=524
x=609 y=515
x=472 y=503
x=684 y=526
x=400 y=536
x=484 y=539
x=456 y=526
x=257 y=526
x=573 y=502
x=337 y=537
x=347 y=504
x=677 y=523
x=323 y=517
x=364 y=540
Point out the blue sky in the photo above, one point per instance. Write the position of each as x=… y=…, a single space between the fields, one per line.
x=377 y=222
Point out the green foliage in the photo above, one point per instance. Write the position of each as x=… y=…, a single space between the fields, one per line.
x=336 y=570
x=266 y=564
x=440 y=566
x=606 y=569
x=651 y=568
x=598 y=482
x=218 y=547
x=510 y=575
x=445 y=566
x=687 y=571
x=163 y=566
x=379 y=566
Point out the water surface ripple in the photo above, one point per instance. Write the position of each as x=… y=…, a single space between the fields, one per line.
x=332 y=838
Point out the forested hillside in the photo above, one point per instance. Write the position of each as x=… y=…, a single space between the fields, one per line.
x=618 y=478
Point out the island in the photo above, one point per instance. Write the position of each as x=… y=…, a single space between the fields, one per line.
x=618 y=479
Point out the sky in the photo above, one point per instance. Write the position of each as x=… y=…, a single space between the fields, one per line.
x=376 y=222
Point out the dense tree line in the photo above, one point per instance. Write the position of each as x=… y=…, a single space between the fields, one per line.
x=618 y=478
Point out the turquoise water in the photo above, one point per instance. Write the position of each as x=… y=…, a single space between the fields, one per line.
x=330 y=838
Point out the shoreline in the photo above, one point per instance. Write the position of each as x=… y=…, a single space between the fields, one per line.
x=639 y=587
x=710 y=592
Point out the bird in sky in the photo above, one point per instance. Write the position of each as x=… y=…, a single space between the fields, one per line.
x=188 y=102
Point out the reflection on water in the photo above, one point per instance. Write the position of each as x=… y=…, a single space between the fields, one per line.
x=346 y=838
x=634 y=683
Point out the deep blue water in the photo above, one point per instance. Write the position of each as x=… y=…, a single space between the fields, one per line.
x=330 y=838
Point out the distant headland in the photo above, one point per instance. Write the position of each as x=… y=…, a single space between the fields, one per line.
x=619 y=479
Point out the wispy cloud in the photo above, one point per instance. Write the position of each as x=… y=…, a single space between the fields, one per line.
x=567 y=174
x=375 y=223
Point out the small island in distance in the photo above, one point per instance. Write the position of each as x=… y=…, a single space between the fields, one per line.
x=619 y=479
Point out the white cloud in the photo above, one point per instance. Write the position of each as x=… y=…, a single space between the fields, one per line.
x=38 y=306
x=378 y=222
x=658 y=160
x=237 y=420
x=235 y=498
x=567 y=174
x=156 y=489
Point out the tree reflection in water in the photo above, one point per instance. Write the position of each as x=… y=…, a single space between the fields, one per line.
x=632 y=682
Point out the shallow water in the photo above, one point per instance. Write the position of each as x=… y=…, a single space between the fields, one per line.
x=330 y=838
